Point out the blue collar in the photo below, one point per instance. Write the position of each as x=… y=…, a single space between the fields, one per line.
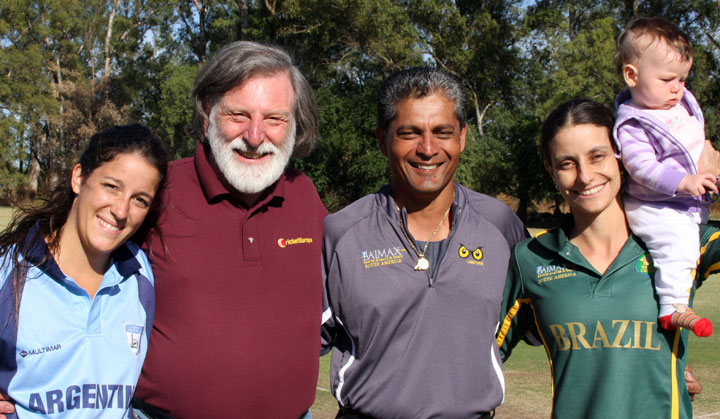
x=39 y=255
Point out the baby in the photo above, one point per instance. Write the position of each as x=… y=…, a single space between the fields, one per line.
x=660 y=134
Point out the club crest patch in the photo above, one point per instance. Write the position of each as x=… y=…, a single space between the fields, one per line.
x=134 y=332
x=644 y=265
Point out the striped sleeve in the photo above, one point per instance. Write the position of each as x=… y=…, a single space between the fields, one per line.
x=641 y=162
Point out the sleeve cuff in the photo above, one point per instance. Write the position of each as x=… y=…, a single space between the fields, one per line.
x=669 y=181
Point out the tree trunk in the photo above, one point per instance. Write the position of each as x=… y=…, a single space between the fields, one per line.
x=201 y=40
x=108 y=38
x=243 y=21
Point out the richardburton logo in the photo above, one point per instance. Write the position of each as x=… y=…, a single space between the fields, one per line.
x=382 y=257
x=477 y=255
x=24 y=353
x=289 y=242
x=552 y=272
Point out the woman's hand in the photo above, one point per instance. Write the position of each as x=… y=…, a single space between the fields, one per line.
x=6 y=405
x=709 y=160
x=693 y=385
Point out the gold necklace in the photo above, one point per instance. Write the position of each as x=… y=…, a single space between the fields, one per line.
x=422 y=264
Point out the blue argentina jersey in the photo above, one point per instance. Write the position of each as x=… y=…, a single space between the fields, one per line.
x=73 y=356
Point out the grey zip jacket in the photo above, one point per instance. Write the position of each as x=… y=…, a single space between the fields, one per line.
x=406 y=345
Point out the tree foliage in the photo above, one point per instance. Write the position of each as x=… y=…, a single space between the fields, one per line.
x=71 y=68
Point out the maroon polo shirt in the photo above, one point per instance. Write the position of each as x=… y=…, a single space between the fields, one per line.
x=238 y=311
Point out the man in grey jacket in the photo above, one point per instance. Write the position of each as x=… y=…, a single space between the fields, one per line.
x=414 y=273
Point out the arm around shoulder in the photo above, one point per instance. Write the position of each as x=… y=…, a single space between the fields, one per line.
x=328 y=326
x=516 y=313
x=6 y=405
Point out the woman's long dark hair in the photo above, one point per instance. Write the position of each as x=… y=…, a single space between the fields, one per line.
x=50 y=216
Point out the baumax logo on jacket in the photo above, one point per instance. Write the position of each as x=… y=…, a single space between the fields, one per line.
x=381 y=257
x=552 y=272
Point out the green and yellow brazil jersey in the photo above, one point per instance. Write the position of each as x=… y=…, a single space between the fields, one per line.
x=608 y=357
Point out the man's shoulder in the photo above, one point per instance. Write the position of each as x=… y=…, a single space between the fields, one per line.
x=298 y=181
x=487 y=206
x=344 y=220
x=182 y=182
x=181 y=170
x=497 y=213
x=181 y=164
x=300 y=193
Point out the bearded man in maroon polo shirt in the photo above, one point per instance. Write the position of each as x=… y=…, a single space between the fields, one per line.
x=238 y=283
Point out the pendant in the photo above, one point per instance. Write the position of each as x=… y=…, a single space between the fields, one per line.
x=422 y=264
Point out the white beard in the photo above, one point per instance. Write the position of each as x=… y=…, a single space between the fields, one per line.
x=249 y=178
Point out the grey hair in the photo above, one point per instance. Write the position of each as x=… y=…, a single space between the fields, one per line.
x=237 y=62
x=419 y=82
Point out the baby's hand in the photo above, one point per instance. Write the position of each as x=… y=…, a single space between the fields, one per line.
x=697 y=185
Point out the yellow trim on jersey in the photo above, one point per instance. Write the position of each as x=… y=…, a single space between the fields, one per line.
x=506 y=326
x=711 y=270
x=716 y=266
x=540 y=233
x=508 y=320
x=712 y=238
x=675 y=402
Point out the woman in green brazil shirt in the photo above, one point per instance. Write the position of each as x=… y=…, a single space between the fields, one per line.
x=586 y=286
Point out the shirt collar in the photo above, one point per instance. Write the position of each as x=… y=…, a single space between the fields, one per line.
x=385 y=200
x=215 y=190
x=122 y=258
x=557 y=241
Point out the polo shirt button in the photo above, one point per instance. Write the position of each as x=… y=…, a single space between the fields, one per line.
x=251 y=240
